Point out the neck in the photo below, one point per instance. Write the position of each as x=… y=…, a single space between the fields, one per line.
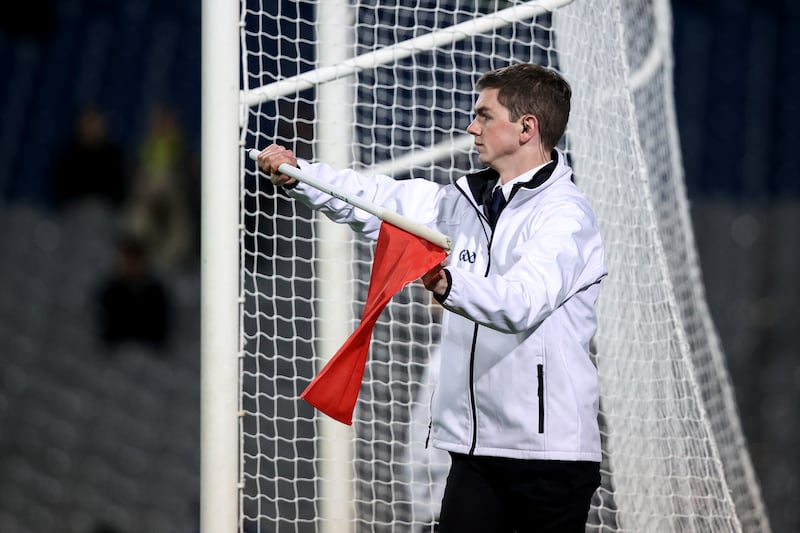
x=521 y=165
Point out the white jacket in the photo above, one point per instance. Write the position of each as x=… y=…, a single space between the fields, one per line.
x=516 y=377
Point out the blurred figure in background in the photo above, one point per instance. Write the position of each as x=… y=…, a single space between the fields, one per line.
x=91 y=167
x=133 y=303
x=158 y=212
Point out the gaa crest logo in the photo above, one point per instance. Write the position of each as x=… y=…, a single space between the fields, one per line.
x=467 y=256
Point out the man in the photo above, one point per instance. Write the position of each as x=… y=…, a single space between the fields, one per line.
x=516 y=404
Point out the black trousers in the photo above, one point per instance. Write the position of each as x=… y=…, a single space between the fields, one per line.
x=500 y=495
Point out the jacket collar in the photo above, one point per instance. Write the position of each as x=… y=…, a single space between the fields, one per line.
x=482 y=182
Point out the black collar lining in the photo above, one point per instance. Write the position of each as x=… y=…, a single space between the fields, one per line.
x=482 y=183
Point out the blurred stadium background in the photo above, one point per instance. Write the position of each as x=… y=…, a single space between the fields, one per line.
x=103 y=436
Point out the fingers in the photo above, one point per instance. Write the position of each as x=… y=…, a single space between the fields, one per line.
x=435 y=279
x=272 y=157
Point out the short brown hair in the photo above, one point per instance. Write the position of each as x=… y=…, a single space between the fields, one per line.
x=528 y=88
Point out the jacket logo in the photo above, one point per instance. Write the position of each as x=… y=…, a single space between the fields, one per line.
x=467 y=256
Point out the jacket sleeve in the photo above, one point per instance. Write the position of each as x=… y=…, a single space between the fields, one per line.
x=415 y=199
x=560 y=258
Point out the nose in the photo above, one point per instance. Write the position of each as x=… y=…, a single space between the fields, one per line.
x=473 y=128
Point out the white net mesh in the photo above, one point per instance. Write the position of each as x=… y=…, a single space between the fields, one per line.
x=674 y=456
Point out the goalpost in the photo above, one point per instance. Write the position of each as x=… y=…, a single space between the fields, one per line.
x=390 y=89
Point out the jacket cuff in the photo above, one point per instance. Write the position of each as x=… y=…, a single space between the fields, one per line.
x=444 y=296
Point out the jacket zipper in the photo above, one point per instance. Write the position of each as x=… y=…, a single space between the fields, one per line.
x=430 y=418
x=540 y=378
x=473 y=404
x=472 y=398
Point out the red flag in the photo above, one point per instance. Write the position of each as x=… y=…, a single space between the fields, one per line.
x=400 y=258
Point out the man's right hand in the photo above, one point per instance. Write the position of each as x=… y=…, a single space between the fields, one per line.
x=272 y=157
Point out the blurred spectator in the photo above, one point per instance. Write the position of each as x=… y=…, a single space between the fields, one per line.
x=134 y=305
x=158 y=211
x=91 y=166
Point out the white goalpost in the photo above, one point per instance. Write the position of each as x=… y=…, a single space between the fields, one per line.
x=390 y=89
x=219 y=322
x=333 y=136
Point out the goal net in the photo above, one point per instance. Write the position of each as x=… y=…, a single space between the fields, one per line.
x=388 y=87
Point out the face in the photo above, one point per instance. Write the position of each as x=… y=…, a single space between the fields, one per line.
x=497 y=138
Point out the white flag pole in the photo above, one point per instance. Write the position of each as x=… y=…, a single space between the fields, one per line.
x=387 y=215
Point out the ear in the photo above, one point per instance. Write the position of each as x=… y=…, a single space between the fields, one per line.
x=530 y=127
